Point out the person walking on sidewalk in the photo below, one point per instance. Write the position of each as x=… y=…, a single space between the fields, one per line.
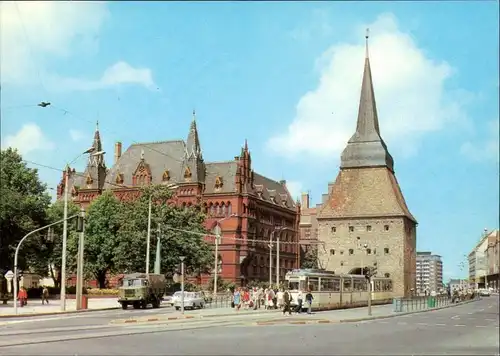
x=300 y=298
x=45 y=295
x=286 y=303
x=23 y=297
x=309 y=300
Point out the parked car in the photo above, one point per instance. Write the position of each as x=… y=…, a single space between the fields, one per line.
x=174 y=298
x=484 y=292
x=192 y=300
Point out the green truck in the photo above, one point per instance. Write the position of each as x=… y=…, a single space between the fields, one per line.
x=141 y=289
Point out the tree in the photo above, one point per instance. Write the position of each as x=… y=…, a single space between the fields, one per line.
x=49 y=257
x=23 y=203
x=101 y=237
x=310 y=258
x=130 y=254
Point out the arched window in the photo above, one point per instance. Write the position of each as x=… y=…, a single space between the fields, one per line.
x=223 y=209
x=212 y=210
x=228 y=208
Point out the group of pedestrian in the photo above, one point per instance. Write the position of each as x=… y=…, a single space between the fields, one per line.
x=256 y=298
x=22 y=296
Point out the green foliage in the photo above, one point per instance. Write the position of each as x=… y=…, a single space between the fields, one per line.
x=310 y=258
x=101 y=237
x=47 y=260
x=23 y=204
x=132 y=235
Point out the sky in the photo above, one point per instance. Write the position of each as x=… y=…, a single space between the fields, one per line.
x=286 y=76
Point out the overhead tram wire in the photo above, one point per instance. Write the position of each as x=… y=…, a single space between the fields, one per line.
x=116 y=133
x=28 y=42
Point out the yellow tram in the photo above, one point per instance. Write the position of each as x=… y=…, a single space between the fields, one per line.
x=334 y=291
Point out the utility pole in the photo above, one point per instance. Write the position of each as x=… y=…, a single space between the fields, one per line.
x=64 y=240
x=271 y=259
x=149 y=236
x=157 y=269
x=216 y=270
x=80 y=227
x=277 y=260
x=182 y=283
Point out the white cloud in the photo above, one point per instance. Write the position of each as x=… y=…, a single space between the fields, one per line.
x=486 y=148
x=119 y=73
x=28 y=139
x=76 y=135
x=295 y=189
x=317 y=25
x=33 y=33
x=409 y=88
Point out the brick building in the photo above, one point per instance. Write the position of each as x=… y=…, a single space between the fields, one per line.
x=493 y=260
x=365 y=205
x=308 y=227
x=247 y=205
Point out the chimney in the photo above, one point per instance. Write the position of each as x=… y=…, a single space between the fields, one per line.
x=118 y=151
x=305 y=201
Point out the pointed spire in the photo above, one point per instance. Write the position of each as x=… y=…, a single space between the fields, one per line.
x=193 y=146
x=97 y=139
x=246 y=145
x=366 y=148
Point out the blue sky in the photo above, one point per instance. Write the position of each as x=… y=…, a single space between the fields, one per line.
x=285 y=76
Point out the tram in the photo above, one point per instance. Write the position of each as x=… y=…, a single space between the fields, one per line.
x=334 y=291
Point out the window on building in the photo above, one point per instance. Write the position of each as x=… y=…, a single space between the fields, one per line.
x=351 y=228
x=341 y=252
x=368 y=251
x=334 y=229
x=351 y=251
x=386 y=250
x=341 y=263
x=386 y=227
x=369 y=228
x=332 y=252
x=359 y=238
x=374 y=251
x=387 y=275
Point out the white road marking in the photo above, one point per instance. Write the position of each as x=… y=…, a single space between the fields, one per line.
x=491 y=319
x=459 y=325
x=467 y=313
x=481 y=309
x=402 y=323
x=422 y=324
x=481 y=326
x=440 y=324
x=456 y=317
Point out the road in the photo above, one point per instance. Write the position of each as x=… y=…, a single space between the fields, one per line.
x=467 y=329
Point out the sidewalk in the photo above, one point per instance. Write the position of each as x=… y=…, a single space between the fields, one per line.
x=35 y=307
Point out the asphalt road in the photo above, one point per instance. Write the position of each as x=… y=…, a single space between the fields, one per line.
x=467 y=329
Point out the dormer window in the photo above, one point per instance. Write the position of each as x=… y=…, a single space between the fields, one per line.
x=119 y=178
x=218 y=182
x=187 y=173
x=166 y=176
x=351 y=228
x=334 y=229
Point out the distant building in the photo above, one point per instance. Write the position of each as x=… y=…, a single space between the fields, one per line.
x=308 y=227
x=493 y=260
x=457 y=284
x=429 y=272
x=478 y=263
x=365 y=206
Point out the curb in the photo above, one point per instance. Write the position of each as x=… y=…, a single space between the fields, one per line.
x=12 y=316
x=151 y=320
x=353 y=320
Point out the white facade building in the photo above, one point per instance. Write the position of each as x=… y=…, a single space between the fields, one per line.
x=429 y=273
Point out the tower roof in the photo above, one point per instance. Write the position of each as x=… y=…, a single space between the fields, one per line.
x=366 y=148
x=193 y=146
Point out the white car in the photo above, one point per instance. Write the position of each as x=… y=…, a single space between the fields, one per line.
x=175 y=297
x=192 y=300
x=484 y=292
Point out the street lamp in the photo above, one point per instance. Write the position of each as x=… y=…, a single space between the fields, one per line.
x=182 y=258
x=79 y=266
x=276 y=228
x=364 y=249
x=65 y=224
x=279 y=229
x=171 y=186
x=217 y=232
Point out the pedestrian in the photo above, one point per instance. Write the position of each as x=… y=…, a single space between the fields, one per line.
x=309 y=301
x=300 y=298
x=45 y=295
x=237 y=299
x=23 y=297
x=286 y=303
x=279 y=298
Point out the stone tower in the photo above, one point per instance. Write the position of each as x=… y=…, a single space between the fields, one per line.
x=364 y=219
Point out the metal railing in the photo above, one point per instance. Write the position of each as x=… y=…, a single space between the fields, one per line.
x=402 y=305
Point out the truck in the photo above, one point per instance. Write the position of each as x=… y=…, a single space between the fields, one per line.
x=141 y=289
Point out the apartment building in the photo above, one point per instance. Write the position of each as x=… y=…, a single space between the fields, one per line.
x=429 y=273
x=492 y=257
x=478 y=263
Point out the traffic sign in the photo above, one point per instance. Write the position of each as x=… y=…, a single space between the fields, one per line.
x=9 y=275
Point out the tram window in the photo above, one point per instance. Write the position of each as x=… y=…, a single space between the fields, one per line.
x=347 y=285
x=378 y=286
x=329 y=284
x=293 y=285
x=313 y=284
x=336 y=285
x=360 y=285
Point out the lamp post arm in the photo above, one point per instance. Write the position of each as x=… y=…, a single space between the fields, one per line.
x=17 y=253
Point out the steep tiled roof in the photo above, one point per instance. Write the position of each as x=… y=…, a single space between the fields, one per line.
x=226 y=171
x=369 y=192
